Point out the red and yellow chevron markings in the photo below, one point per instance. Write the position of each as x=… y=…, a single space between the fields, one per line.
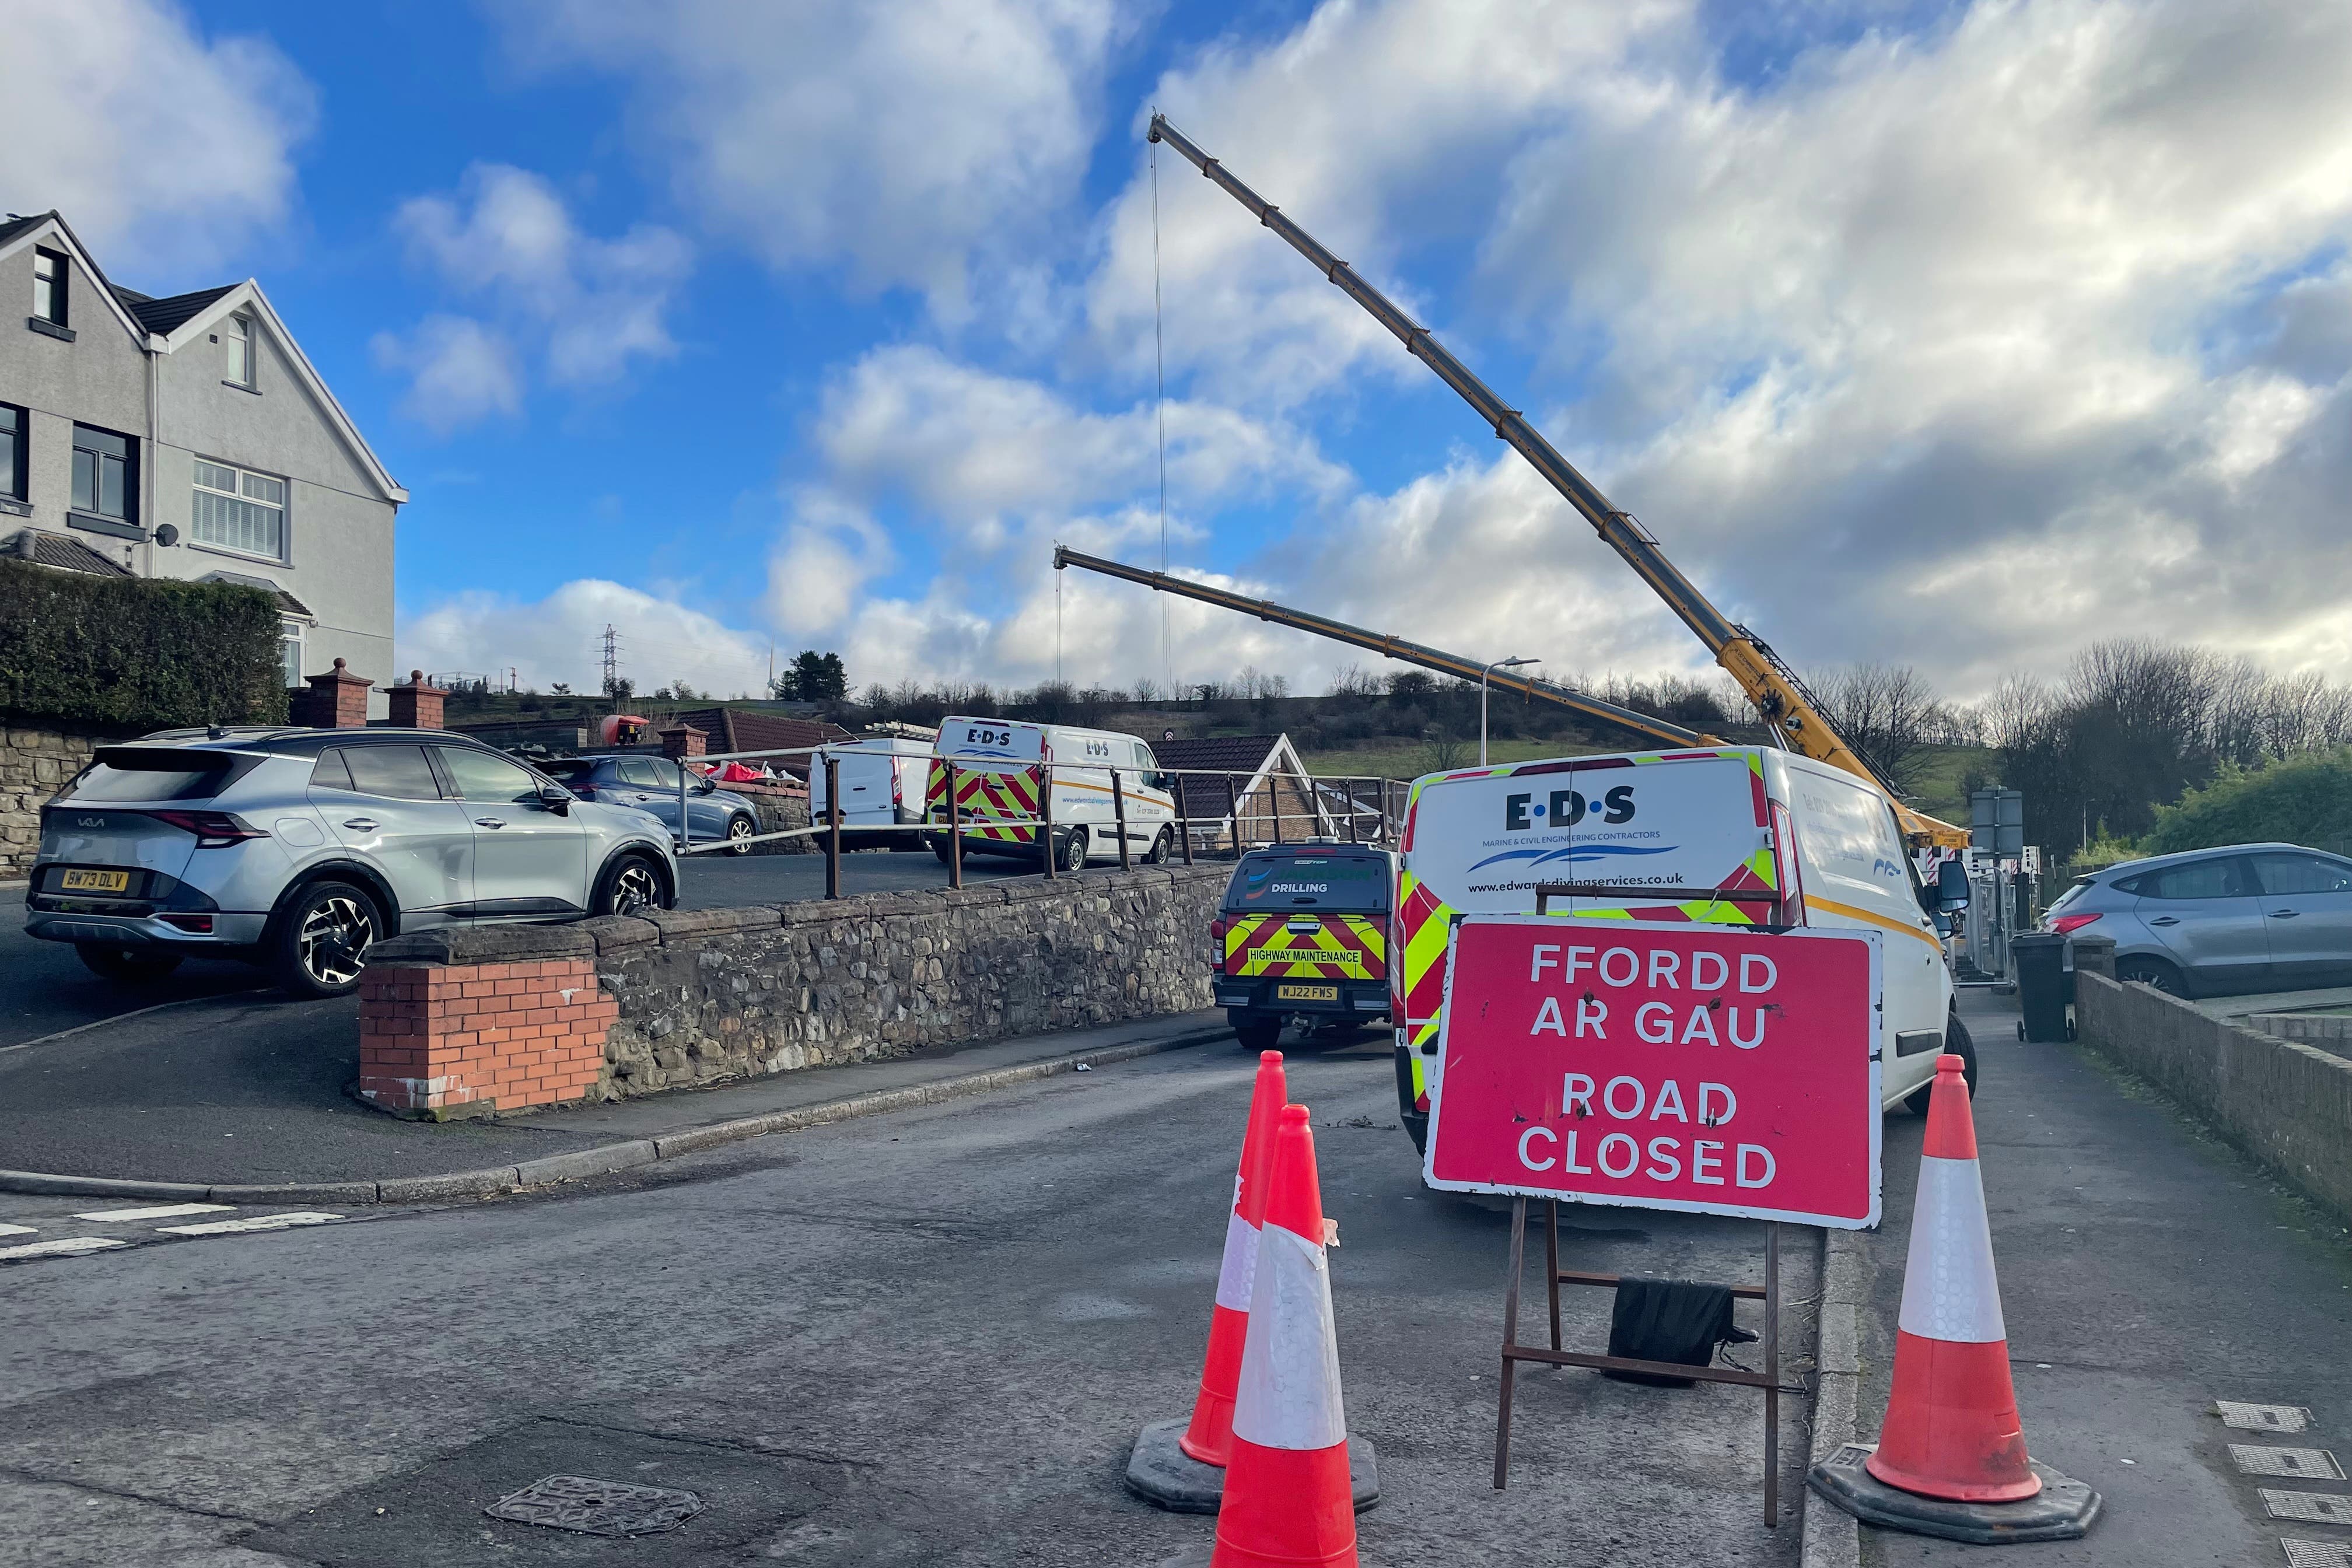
x=1336 y=947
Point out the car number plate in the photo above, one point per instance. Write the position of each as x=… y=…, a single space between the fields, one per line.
x=1307 y=992
x=94 y=882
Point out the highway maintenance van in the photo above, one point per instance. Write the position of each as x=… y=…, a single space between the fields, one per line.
x=1302 y=938
x=1740 y=837
x=1000 y=792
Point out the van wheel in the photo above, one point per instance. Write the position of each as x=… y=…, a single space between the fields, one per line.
x=1957 y=1043
x=316 y=947
x=1162 y=848
x=1258 y=1036
x=939 y=848
x=1072 y=852
x=126 y=965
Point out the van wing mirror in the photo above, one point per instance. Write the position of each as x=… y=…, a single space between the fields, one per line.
x=1952 y=887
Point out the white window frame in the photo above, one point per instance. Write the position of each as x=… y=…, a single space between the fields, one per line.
x=292 y=637
x=284 y=508
x=239 y=330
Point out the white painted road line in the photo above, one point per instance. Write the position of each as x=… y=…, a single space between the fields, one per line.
x=2259 y=1418
x=273 y=1222
x=2300 y=1464
x=19 y=1230
x=2308 y=1507
x=165 y=1211
x=64 y=1246
x=2317 y=1554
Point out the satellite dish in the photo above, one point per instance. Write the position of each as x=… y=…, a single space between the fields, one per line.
x=167 y=535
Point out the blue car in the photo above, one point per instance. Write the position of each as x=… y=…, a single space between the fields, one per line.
x=650 y=783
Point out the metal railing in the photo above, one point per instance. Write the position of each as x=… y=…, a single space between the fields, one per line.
x=1334 y=808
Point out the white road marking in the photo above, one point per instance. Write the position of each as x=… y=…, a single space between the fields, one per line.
x=20 y=1229
x=2317 y=1554
x=64 y=1246
x=165 y=1211
x=2262 y=1417
x=269 y=1221
x=2301 y=1463
x=2309 y=1508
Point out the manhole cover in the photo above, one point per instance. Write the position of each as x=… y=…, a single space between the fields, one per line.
x=598 y=1507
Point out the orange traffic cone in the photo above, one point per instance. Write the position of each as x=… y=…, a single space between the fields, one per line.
x=1950 y=1460
x=1288 y=1499
x=1210 y=1437
x=1951 y=1427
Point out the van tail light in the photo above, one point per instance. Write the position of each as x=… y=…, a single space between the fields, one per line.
x=1784 y=861
x=1216 y=947
x=214 y=829
x=2065 y=925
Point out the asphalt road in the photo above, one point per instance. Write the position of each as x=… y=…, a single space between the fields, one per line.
x=927 y=1338
x=2145 y=1272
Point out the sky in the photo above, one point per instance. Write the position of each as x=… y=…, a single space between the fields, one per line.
x=1957 y=336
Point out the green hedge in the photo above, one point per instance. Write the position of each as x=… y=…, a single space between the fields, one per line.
x=2303 y=800
x=134 y=653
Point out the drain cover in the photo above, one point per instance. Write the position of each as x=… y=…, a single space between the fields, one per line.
x=598 y=1507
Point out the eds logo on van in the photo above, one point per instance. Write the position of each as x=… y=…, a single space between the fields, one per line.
x=1566 y=808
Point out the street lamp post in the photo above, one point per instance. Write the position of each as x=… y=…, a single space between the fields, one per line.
x=1483 y=674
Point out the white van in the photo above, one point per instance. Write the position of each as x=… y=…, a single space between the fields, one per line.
x=999 y=791
x=881 y=787
x=1801 y=842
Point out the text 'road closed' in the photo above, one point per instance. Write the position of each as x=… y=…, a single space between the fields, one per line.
x=1694 y=1067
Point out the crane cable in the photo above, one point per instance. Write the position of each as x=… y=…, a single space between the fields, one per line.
x=1160 y=379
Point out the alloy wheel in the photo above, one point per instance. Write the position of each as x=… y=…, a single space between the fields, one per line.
x=635 y=888
x=738 y=831
x=335 y=931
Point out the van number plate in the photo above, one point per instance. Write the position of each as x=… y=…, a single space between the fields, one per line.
x=94 y=882
x=1307 y=992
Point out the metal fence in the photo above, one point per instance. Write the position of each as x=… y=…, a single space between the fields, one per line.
x=1261 y=809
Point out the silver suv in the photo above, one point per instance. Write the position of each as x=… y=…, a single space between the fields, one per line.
x=2249 y=917
x=296 y=848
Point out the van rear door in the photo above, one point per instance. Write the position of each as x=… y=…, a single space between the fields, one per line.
x=996 y=776
x=1307 y=916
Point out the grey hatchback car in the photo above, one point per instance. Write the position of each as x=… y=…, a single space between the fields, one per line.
x=296 y=848
x=2249 y=917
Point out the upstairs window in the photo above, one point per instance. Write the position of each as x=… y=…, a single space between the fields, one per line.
x=240 y=510
x=12 y=452
x=236 y=337
x=105 y=474
x=49 y=277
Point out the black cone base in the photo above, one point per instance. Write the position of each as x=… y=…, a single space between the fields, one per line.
x=2063 y=1509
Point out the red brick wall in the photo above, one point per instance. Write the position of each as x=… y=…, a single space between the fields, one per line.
x=442 y=1040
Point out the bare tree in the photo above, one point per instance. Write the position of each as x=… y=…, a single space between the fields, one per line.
x=1887 y=713
x=1354 y=680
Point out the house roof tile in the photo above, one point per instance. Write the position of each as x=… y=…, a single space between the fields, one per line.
x=163 y=316
x=66 y=554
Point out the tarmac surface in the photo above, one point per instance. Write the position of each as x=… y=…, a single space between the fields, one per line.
x=921 y=1338
x=2147 y=1271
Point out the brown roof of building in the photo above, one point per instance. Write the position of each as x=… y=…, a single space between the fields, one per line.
x=752 y=730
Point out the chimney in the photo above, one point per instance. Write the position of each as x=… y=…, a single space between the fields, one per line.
x=335 y=700
x=416 y=706
x=680 y=741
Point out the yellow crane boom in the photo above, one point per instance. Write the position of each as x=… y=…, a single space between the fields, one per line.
x=1770 y=685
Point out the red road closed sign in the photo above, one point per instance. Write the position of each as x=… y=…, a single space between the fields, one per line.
x=1696 y=1068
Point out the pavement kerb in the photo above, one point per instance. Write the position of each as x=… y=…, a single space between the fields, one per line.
x=1831 y=1539
x=605 y=1158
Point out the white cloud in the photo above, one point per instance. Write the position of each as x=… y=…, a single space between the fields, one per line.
x=590 y=306
x=460 y=372
x=898 y=141
x=558 y=638
x=167 y=152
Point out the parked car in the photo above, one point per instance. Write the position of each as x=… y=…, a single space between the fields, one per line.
x=881 y=787
x=2249 y=917
x=650 y=783
x=296 y=848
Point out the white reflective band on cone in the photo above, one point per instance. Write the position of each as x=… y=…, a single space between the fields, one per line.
x=1948 y=1289
x=1239 y=1271
x=1289 y=1394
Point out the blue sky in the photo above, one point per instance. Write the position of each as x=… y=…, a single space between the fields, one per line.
x=1954 y=335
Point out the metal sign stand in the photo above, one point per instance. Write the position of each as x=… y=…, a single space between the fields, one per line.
x=1769 y=1380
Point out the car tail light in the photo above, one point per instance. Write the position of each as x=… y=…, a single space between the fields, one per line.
x=2065 y=924
x=1216 y=947
x=584 y=791
x=1784 y=860
x=214 y=829
x=202 y=925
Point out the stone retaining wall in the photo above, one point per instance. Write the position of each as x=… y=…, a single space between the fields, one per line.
x=2330 y=1032
x=34 y=765
x=2285 y=1104
x=706 y=994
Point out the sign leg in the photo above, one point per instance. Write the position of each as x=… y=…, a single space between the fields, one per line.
x=1771 y=1374
x=1551 y=1262
x=1510 y=1338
